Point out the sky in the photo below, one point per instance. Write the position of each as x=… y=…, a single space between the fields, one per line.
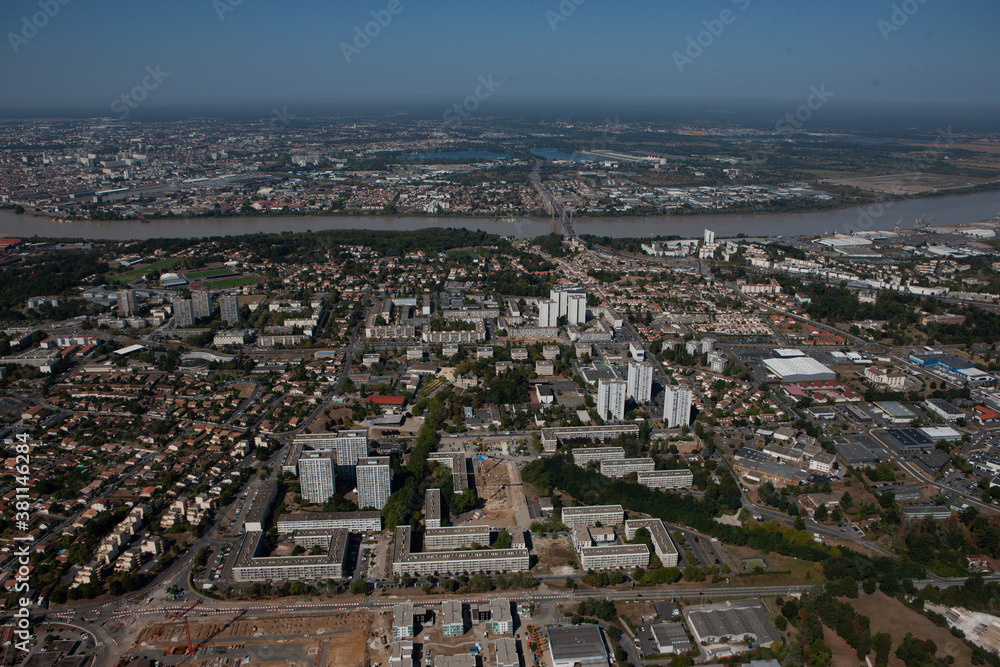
x=205 y=52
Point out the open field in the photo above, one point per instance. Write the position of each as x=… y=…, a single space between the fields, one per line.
x=908 y=184
x=230 y=282
x=208 y=273
x=162 y=265
x=892 y=616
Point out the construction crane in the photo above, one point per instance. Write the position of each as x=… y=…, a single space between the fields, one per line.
x=187 y=627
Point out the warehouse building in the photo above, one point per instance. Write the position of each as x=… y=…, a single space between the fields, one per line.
x=579 y=645
x=671 y=638
x=944 y=409
x=895 y=412
x=798 y=369
x=737 y=621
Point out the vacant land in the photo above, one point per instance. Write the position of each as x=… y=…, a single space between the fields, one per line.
x=892 y=616
x=908 y=184
x=334 y=639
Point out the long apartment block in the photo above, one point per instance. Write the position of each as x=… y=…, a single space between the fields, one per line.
x=356 y=522
x=623 y=467
x=590 y=515
x=450 y=563
x=663 y=544
x=584 y=455
x=666 y=479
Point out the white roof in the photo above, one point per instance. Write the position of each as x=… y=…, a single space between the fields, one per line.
x=941 y=433
x=796 y=366
x=130 y=349
x=789 y=352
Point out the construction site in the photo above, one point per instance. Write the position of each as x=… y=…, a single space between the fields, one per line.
x=299 y=639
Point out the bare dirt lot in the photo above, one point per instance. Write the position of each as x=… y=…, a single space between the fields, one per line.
x=333 y=639
x=891 y=616
x=246 y=389
x=553 y=555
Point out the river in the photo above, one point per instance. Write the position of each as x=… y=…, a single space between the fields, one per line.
x=940 y=211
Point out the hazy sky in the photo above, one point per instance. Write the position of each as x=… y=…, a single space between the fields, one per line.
x=265 y=51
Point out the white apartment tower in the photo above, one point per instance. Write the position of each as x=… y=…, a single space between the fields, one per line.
x=677 y=406
x=548 y=313
x=640 y=382
x=709 y=236
x=611 y=395
x=373 y=482
x=229 y=306
x=316 y=476
x=576 y=308
x=351 y=446
x=183 y=313
x=126 y=303
x=202 y=304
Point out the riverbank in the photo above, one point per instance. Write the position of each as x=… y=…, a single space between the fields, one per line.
x=952 y=210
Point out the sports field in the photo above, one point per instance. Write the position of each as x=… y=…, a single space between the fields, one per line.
x=161 y=266
x=230 y=282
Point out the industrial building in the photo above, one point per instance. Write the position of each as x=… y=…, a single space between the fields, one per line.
x=897 y=413
x=736 y=621
x=798 y=369
x=671 y=638
x=577 y=646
